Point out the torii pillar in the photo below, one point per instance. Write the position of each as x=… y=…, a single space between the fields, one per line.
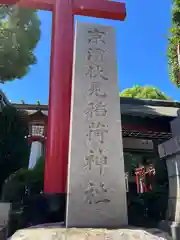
x=60 y=82
x=61 y=77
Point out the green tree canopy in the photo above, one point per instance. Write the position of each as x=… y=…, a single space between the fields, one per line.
x=144 y=92
x=19 y=35
x=174 y=45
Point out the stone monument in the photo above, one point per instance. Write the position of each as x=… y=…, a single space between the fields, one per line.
x=96 y=194
x=170 y=151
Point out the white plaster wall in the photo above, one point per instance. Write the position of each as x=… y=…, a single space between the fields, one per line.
x=36 y=152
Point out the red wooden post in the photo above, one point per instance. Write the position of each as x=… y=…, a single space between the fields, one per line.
x=60 y=84
x=60 y=98
x=60 y=77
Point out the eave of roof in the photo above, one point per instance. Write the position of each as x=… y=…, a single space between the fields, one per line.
x=129 y=106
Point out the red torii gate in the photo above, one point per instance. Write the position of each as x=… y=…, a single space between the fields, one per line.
x=61 y=76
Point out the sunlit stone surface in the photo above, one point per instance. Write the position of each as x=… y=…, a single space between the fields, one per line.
x=96 y=194
x=89 y=234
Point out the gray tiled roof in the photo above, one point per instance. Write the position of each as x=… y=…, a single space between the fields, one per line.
x=147 y=110
x=129 y=106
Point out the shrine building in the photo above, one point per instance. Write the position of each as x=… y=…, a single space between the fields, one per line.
x=145 y=124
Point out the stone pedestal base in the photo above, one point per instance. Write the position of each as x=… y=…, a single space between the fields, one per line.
x=89 y=234
x=173 y=228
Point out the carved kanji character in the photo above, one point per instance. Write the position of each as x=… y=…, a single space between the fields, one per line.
x=95 y=89
x=96 y=158
x=96 y=194
x=95 y=70
x=95 y=55
x=97 y=129
x=98 y=109
x=96 y=36
x=90 y=192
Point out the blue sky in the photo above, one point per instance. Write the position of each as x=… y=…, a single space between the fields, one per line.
x=141 y=52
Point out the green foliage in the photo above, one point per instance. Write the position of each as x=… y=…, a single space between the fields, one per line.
x=24 y=179
x=19 y=35
x=174 y=41
x=38 y=173
x=14 y=187
x=146 y=92
x=14 y=149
